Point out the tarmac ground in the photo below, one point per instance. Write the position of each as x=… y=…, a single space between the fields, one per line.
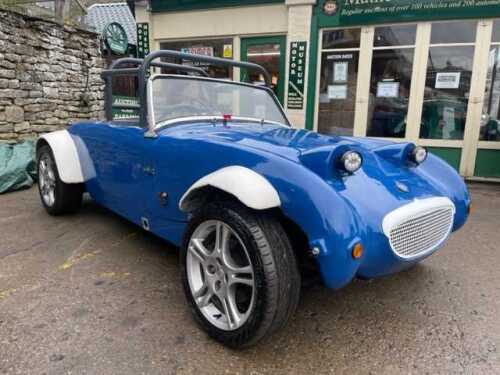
x=93 y=294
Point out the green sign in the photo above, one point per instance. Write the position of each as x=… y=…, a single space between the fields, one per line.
x=125 y=113
x=296 y=75
x=365 y=12
x=142 y=40
x=182 y=5
x=115 y=38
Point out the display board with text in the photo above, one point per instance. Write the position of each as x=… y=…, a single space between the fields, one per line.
x=365 y=12
x=296 y=77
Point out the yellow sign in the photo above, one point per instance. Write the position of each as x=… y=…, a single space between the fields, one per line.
x=228 y=51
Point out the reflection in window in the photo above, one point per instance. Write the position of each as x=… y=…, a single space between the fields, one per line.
x=214 y=47
x=347 y=38
x=268 y=56
x=447 y=91
x=403 y=35
x=454 y=32
x=390 y=92
x=490 y=120
x=496 y=32
x=337 y=96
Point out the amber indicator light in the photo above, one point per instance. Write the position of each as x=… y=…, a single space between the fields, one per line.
x=357 y=251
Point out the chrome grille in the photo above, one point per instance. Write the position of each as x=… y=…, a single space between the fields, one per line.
x=422 y=232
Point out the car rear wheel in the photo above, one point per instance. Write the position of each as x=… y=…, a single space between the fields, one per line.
x=57 y=197
x=239 y=273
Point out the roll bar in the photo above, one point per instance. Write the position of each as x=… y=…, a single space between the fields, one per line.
x=141 y=71
x=133 y=61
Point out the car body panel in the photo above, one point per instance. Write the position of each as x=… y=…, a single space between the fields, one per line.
x=249 y=187
x=334 y=210
x=66 y=156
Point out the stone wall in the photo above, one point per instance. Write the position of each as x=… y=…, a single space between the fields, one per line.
x=49 y=76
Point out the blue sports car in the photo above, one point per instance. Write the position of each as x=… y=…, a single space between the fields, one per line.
x=214 y=167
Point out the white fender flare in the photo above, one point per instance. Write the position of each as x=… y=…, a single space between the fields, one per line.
x=65 y=155
x=249 y=187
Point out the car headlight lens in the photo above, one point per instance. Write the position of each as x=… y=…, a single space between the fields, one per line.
x=351 y=161
x=419 y=154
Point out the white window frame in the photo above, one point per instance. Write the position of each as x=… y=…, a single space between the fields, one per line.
x=474 y=144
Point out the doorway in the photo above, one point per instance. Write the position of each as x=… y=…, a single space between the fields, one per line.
x=269 y=52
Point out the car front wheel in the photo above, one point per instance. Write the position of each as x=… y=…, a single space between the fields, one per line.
x=239 y=273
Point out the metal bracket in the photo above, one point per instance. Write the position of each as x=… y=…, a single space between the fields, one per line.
x=145 y=223
x=150 y=134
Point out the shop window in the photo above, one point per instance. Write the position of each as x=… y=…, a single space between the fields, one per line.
x=454 y=32
x=490 y=120
x=214 y=47
x=401 y=35
x=447 y=91
x=391 y=81
x=390 y=92
x=347 y=38
x=338 y=84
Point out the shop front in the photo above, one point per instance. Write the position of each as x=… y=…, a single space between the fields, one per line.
x=272 y=33
x=423 y=71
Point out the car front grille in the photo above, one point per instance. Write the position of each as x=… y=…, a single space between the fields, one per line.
x=420 y=227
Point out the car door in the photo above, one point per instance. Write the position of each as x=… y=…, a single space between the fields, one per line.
x=123 y=172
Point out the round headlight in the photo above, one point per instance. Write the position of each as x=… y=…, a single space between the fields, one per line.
x=351 y=161
x=419 y=154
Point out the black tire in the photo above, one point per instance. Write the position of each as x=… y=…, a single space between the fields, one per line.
x=67 y=197
x=277 y=278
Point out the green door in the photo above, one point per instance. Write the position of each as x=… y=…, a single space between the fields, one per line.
x=270 y=52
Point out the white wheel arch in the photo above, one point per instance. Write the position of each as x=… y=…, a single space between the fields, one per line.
x=249 y=187
x=66 y=156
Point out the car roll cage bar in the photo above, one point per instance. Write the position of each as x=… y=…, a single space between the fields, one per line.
x=142 y=71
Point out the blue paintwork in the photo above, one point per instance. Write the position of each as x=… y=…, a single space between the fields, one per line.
x=334 y=210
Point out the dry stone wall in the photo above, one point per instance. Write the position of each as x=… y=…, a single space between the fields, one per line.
x=49 y=76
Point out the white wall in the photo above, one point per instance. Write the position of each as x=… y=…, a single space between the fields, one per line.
x=299 y=29
x=223 y=22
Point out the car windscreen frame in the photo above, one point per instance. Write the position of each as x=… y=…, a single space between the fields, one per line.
x=151 y=116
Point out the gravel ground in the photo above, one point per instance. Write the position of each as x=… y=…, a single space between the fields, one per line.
x=93 y=294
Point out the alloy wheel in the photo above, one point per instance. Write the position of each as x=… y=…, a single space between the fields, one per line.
x=47 y=180
x=220 y=275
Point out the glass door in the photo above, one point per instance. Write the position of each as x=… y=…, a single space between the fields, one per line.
x=340 y=53
x=270 y=53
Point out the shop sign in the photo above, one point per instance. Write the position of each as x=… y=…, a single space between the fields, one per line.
x=125 y=113
x=448 y=80
x=337 y=92
x=204 y=51
x=330 y=7
x=365 y=12
x=340 y=71
x=185 y=5
x=387 y=89
x=296 y=76
x=115 y=38
x=142 y=39
x=228 y=51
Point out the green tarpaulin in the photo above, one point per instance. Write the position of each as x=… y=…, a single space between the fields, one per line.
x=17 y=166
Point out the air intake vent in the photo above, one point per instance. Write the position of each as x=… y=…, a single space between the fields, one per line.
x=419 y=228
